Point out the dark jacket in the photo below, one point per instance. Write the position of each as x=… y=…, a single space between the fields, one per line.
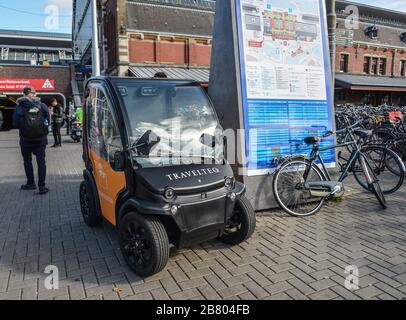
x=57 y=115
x=26 y=102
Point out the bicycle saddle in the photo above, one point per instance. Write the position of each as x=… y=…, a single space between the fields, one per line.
x=311 y=141
x=362 y=133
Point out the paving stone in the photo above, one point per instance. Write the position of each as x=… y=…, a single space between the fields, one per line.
x=322 y=284
x=369 y=292
x=326 y=294
x=232 y=291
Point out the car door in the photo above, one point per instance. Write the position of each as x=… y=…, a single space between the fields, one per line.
x=104 y=139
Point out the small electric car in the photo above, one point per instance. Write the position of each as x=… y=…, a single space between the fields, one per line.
x=154 y=170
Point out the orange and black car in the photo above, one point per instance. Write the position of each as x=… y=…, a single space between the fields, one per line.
x=155 y=169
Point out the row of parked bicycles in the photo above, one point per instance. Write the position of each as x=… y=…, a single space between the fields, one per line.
x=371 y=146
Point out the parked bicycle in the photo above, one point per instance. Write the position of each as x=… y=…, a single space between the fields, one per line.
x=302 y=185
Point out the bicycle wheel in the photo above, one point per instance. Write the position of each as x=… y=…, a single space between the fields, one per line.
x=399 y=146
x=387 y=167
x=382 y=136
x=289 y=191
x=372 y=180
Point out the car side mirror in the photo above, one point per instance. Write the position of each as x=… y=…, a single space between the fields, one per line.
x=208 y=140
x=117 y=161
x=147 y=142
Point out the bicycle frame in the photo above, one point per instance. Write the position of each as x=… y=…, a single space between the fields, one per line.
x=316 y=155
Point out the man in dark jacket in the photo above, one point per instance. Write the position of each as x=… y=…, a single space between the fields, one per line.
x=57 y=122
x=30 y=146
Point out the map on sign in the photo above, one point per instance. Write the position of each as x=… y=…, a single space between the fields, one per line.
x=283 y=49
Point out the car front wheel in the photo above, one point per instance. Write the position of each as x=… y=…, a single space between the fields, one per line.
x=144 y=243
x=242 y=223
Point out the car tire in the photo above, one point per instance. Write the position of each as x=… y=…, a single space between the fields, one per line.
x=88 y=205
x=243 y=220
x=144 y=243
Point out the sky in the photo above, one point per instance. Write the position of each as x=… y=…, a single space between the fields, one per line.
x=37 y=15
x=56 y=15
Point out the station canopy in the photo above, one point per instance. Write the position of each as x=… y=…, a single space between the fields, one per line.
x=370 y=83
x=196 y=74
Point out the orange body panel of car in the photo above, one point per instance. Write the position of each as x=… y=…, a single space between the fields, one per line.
x=109 y=184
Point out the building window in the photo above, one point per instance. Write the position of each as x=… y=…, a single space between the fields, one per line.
x=4 y=53
x=403 y=68
x=374 y=66
x=341 y=95
x=20 y=56
x=382 y=66
x=367 y=98
x=372 y=32
x=344 y=60
x=403 y=37
x=367 y=65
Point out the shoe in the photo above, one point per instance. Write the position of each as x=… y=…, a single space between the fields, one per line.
x=29 y=187
x=54 y=146
x=43 y=190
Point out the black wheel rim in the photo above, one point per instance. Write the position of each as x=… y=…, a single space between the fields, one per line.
x=137 y=246
x=84 y=202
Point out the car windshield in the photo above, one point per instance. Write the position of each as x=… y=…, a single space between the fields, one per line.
x=178 y=113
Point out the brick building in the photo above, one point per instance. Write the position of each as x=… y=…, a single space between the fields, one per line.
x=371 y=60
x=38 y=59
x=142 y=37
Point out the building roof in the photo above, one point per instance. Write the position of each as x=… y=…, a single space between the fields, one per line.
x=363 y=82
x=30 y=34
x=196 y=74
x=31 y=39
x=391 y=24
x=387 y=36
x=373 y=14
x=169 y=19
x=208 y=5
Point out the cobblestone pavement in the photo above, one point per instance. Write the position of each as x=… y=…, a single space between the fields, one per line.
x=287 y=258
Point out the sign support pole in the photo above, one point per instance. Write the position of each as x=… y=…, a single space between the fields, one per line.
x=95 y=41
x=332 y=21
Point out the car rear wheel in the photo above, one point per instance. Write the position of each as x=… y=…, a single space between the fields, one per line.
x=144 y=244
x=242 y=223
x=88 y=205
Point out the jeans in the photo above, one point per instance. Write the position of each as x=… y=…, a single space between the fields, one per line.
x=56 y=129
x=39 y=152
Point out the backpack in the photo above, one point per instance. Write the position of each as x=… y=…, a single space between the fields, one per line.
x=32 y=124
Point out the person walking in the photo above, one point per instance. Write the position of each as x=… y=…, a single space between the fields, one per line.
x=57 y=122
x=31 y=117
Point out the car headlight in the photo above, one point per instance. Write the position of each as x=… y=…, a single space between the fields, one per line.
x=229 y=183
